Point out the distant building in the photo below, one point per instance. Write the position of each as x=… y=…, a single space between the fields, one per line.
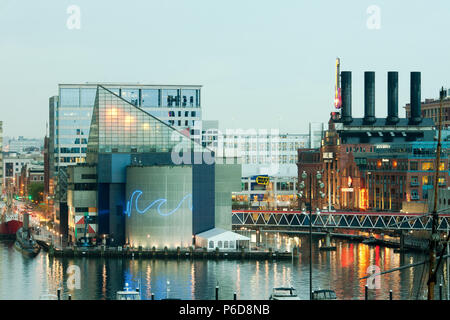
x=13 y=164
x=316 y=132
x=430 y=109
x=262 y=151
x=24 y=145
x=266 y=193
x=31 y=173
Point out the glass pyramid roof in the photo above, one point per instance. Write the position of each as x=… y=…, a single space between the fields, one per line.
x=120 y=127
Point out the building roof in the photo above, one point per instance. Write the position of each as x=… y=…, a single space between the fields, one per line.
x=381 y=122
x=221 y=234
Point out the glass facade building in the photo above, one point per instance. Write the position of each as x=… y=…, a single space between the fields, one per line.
x=143 y=195
x=71 y=113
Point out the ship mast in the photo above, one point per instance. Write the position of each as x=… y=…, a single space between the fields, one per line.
x=434 y=232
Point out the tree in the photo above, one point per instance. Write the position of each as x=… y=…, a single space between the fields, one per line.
x=36 y=191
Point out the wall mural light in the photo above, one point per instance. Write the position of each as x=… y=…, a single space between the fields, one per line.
x=134 y=198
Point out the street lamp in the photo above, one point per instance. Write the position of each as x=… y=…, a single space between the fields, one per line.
x=320 y=185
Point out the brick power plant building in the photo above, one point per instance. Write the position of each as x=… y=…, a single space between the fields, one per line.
x=370 y=163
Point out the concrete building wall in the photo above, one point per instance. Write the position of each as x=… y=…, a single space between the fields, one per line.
x=227 y=180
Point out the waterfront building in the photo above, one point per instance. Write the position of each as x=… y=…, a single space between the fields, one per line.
x=266 y=193
x=71 y=112
x=374 y=163
x=145 y=183
x=70 y=115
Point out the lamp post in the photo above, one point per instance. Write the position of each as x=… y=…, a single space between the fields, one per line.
x=320 y=185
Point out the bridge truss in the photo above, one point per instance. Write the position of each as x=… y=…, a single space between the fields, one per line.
x=344 y=220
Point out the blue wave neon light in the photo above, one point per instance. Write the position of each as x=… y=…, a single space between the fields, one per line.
x=159 y=202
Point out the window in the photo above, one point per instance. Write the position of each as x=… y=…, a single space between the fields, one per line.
x=225 y=244
x=190 y=98
x=211 y=244
x=88 y=176
x=413 y=165
x=85 y=186
x=69 y=97
x=150 y=98
x=87 y=98
x=219 y=244
x=131 y=95
x=427 y=166
x=232 y=242
x=170 y=97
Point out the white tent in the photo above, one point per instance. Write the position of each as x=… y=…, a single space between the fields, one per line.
x=219 y=238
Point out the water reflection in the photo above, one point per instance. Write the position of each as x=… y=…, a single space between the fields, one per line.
x=25 y=278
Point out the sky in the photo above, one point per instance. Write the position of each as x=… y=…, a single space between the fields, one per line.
x=262 y=64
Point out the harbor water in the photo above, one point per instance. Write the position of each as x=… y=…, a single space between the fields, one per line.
x=100 y=278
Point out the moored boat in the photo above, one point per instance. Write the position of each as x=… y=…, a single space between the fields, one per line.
x=128 y=294
x=25 y=242
x=9 y=222
x=284 y=293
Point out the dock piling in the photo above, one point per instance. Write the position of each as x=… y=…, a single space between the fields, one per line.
x=390 y=294
x=217 y=292
x=58 y=293
x=366 y=292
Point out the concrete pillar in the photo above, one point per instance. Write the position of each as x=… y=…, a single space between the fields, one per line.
x=258 y=237
x=328 y=239
x=402 y=240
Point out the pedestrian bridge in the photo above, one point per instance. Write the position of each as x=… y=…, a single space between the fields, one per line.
x=290 y=220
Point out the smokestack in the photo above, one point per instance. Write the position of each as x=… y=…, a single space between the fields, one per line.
x=392 y=97
x=369 y=97
x=416 y=112
x=346 y=94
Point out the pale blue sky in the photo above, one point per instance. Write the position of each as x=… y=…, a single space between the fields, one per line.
x=263 y=64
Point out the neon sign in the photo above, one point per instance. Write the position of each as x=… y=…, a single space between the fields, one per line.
x=134 y=198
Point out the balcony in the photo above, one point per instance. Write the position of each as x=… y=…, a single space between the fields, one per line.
x=414 y=183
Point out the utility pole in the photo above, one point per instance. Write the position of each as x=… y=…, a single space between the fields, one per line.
x=434 y=232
